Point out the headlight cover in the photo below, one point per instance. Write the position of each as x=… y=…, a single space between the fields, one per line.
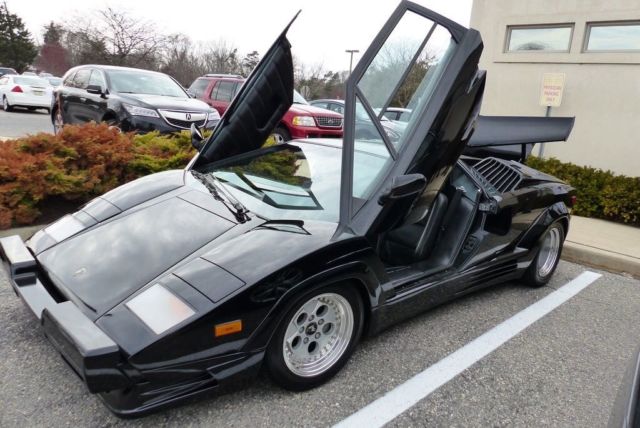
x=303 y=121
x=159 y=308
x=213 y=115
x=140 y=111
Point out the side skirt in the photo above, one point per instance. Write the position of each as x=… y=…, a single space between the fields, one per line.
x=407 y=303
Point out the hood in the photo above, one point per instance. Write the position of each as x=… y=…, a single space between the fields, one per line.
x=169 y=103
x=255 y=111
x=107 y=263
x=312 y=110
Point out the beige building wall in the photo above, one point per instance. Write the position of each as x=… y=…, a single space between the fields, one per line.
x=602 y=90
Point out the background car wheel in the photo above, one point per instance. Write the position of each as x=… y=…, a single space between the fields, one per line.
x=281 y=134
x=544 y=264
x=58 y=121
x=5 y=104
x=316 y=337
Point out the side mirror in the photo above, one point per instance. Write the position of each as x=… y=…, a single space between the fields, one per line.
x=402 y=187
x=196 y=137
x=95 y=89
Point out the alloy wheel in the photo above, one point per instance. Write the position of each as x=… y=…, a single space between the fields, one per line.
x=548 y=252
x=318 y=334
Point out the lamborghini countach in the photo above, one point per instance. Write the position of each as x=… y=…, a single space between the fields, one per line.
x=281 y=258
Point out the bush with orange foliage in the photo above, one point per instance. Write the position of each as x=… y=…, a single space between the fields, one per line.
x=79 y=163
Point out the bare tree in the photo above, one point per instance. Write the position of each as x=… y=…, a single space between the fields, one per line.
x=220 y=56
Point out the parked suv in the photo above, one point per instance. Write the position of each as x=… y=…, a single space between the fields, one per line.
x=129 y=98
x=301 y=121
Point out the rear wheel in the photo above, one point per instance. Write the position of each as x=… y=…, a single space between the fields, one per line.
x=544 y=264
x=316 y=337
x=5 y=104
x=281 y=134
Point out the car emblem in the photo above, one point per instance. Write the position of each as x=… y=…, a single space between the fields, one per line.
x=188 y=116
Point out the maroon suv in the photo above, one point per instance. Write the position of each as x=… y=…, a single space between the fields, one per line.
x=301 y=121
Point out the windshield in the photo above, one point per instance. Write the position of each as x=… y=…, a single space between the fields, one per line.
x=296 y=181
x=27 y=80
x=298 y=99
x=141 y=82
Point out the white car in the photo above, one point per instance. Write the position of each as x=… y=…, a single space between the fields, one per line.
x=31 y=92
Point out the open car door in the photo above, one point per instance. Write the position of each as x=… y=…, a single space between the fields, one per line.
x=257 y=108
x=425 y=62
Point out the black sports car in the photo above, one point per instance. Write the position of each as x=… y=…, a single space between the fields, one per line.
x=281 y=258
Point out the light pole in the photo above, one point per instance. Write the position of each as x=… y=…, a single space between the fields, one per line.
x=351 y=52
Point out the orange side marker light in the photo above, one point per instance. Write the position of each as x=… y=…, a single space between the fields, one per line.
x=228 y=328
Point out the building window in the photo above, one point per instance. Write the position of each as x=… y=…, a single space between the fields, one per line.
x=549 y=38
x=612 y=36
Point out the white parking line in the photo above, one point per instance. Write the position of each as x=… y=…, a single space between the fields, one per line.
x=403 y=397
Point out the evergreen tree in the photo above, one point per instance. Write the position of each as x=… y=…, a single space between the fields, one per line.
x=17 y=49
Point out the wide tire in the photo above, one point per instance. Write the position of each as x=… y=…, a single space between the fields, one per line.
x=545 y=262
x=281 y=134
x=316 y=337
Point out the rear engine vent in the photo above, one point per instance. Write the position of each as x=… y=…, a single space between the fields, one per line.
x=498 y=174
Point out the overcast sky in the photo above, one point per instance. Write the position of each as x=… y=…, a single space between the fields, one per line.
x=323 y=31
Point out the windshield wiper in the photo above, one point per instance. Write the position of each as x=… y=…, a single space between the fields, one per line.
x=210 y=182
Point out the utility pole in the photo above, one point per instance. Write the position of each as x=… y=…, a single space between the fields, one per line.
x=351 y=52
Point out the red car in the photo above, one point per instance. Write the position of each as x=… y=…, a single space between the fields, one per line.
x=301 y=121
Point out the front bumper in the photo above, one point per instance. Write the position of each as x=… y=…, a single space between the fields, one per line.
x=314 y=132
x=92 y=354
x=148 y=124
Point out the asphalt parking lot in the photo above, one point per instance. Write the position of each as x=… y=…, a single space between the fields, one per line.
x=563 y=370
x=21 y=122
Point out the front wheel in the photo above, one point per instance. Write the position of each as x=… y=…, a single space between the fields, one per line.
x=316 y=337
x=281 y=135
x=544 y=264
x=58 y=121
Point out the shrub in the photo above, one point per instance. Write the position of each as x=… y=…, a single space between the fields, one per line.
x=600 y=194
x=80 y=163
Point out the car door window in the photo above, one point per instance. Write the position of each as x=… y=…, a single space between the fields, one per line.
x=405 y=70
x=97 y=79
x=3 y=81
x=198 y=87
x=224 y=90
x=81 y=79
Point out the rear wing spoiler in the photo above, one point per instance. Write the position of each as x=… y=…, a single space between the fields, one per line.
x=503 y=131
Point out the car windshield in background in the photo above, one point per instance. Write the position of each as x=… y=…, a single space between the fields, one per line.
x=135 y=82
x=54 y=81
x=298 y=99
x=31 y=81
x=296 y=181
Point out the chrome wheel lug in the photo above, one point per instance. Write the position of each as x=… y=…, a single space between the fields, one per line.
x=301 y=329
x=317 y=336
x=311 y=318
x=320 y=321
x=306 y=340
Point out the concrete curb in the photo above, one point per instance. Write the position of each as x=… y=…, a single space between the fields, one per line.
x=24 y=232
x=603 y=259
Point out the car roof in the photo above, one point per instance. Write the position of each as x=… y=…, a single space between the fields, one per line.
x=114 y=67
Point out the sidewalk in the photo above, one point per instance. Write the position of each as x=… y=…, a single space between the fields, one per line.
x=603 y=244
